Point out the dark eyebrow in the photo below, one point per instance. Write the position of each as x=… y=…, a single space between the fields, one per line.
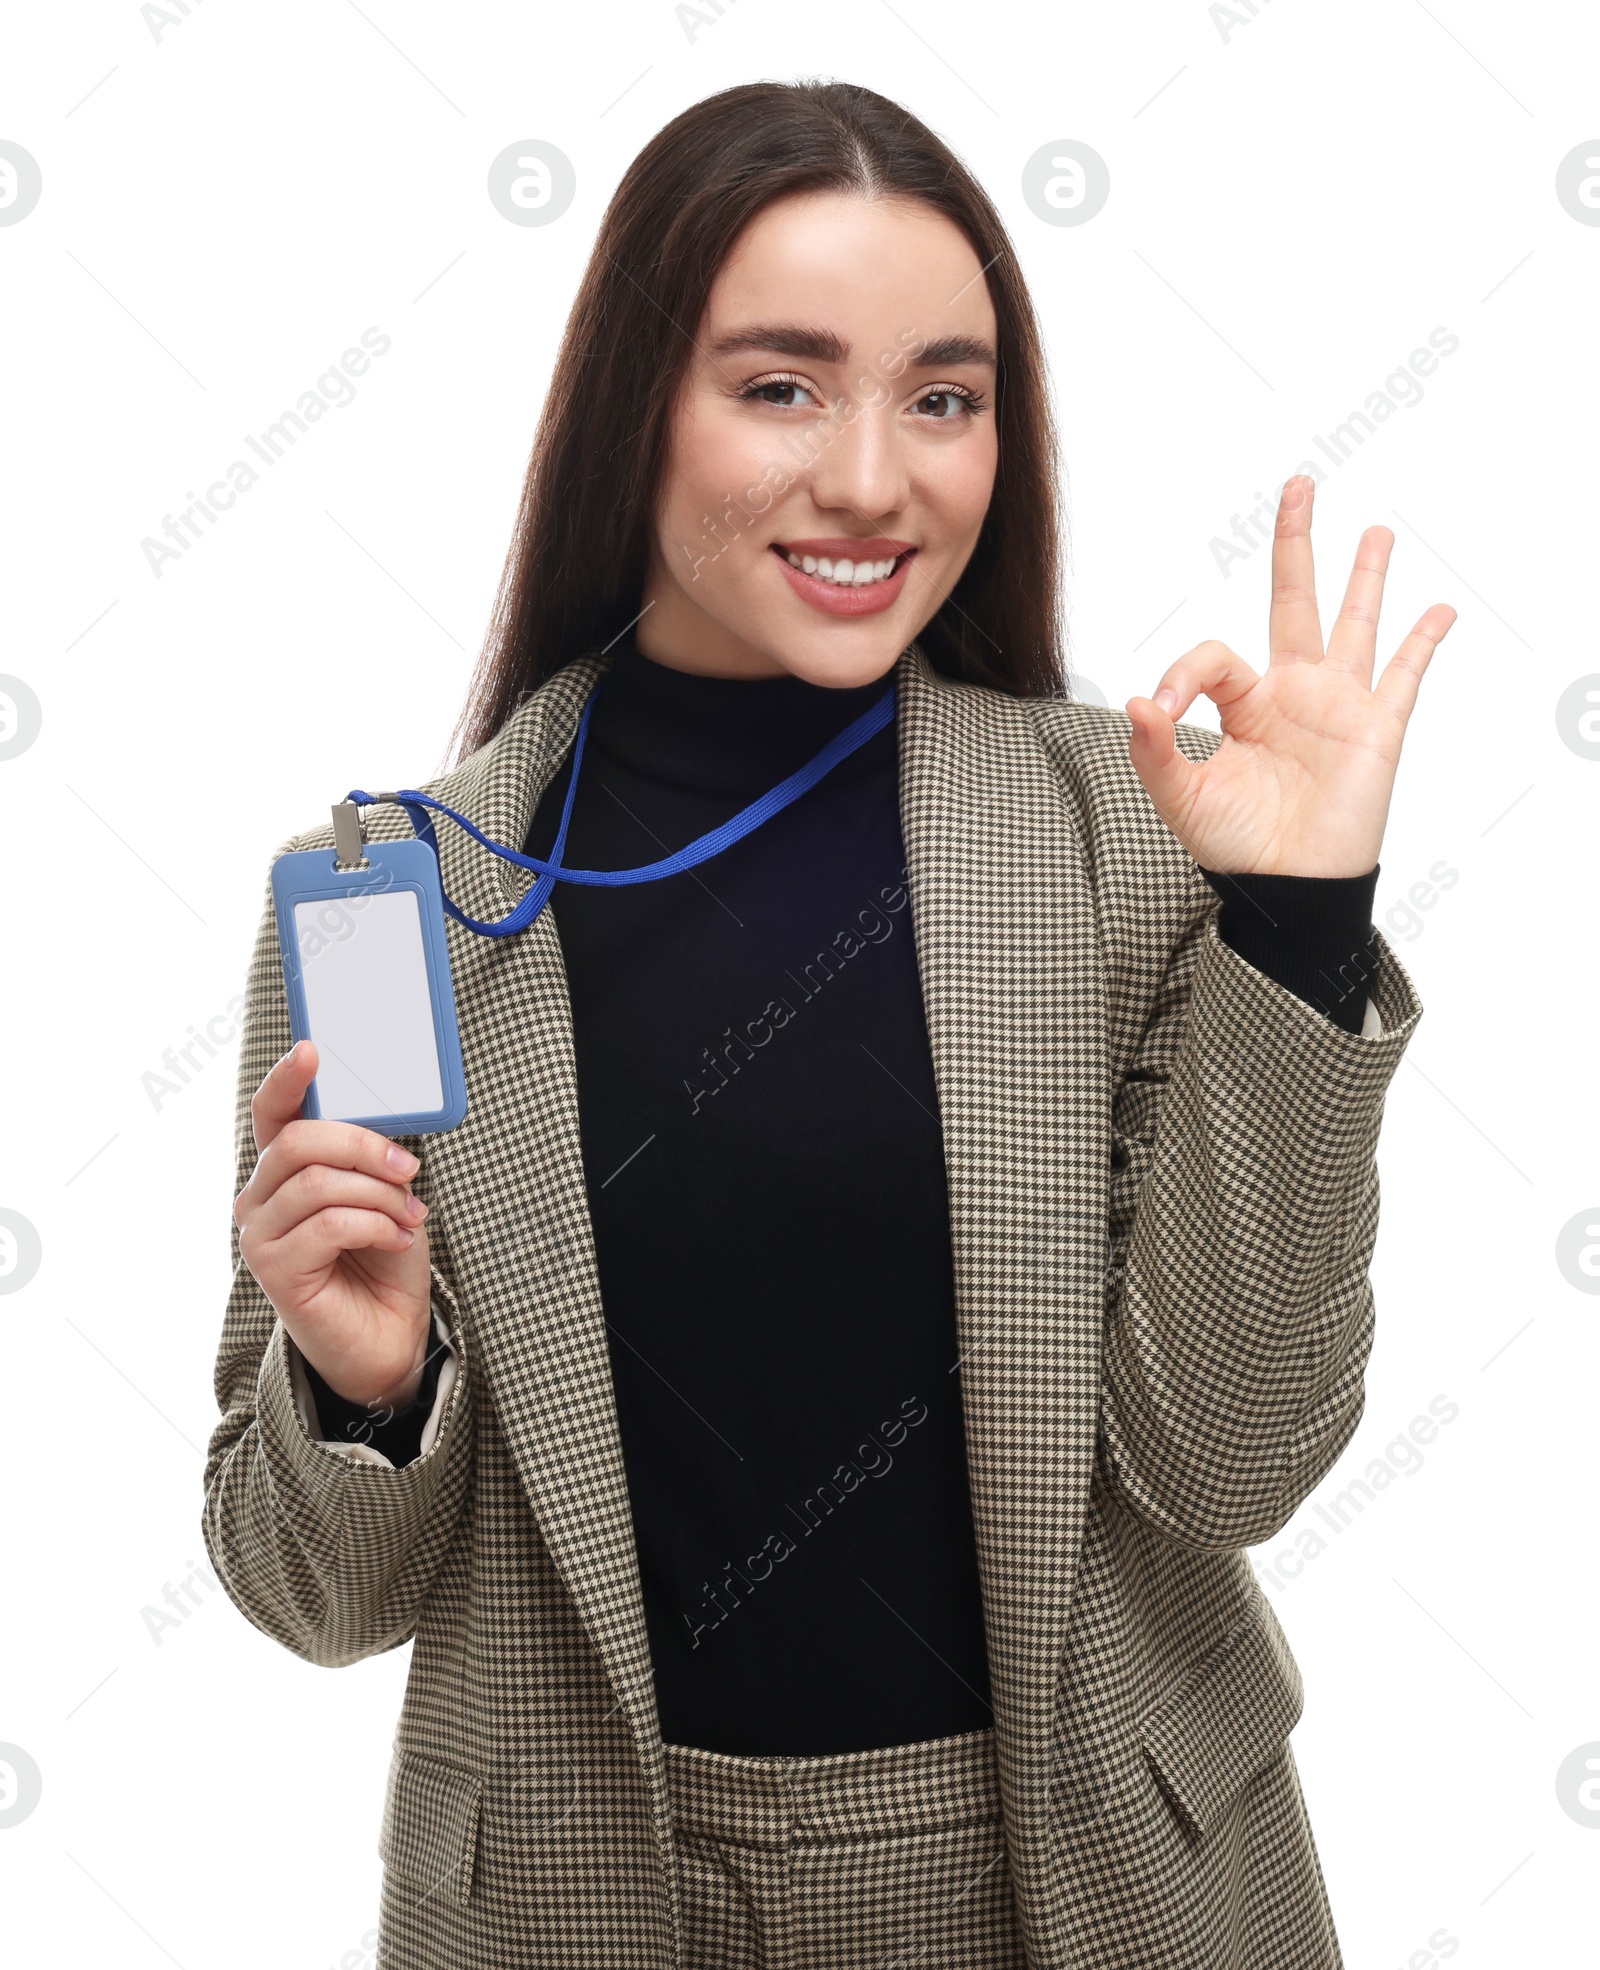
x=820 y=345
x=949 y=350
x=823 y=346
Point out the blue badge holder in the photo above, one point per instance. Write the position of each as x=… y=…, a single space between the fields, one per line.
x=366 y=969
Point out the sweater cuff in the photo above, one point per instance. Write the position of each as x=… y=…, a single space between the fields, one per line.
x=1314 y=935
x=395 y=1432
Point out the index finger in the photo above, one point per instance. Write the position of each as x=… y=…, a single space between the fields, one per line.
x=301 y=1145
x=1294 y=632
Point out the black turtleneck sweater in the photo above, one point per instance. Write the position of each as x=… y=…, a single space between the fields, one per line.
x=765 y=1173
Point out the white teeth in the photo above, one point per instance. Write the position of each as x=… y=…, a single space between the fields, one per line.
x=842 y=573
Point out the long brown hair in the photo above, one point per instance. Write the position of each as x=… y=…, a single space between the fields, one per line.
x=579 y=553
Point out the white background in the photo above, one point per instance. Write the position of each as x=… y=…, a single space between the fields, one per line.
x=1297 y=200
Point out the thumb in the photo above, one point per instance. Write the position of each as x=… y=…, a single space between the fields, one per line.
x=277 y=1100
x=1168 y=777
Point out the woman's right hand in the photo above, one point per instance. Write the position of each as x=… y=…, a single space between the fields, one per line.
x=330 y=1229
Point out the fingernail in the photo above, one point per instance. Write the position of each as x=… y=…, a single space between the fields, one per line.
x=410 y=1237
x=401 y=1161
x=1166 y=697
x=415 y=1208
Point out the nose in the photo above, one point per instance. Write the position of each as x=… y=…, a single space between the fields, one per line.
x=861 y=467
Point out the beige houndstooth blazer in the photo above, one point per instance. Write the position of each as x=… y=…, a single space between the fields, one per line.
x=1164 y=1200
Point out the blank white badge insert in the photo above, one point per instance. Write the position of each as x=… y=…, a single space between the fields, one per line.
x=365 y=976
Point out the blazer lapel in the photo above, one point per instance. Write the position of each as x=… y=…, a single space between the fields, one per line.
x=1003 y=913
x=515 y=1209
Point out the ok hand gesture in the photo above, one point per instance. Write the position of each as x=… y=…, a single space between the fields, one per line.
x=1301 y=782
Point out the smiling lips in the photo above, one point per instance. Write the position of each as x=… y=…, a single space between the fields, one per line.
x=844 y=576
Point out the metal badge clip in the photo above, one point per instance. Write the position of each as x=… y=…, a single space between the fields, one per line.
x=348 y=844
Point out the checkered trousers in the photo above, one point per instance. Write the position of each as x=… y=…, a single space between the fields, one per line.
x=868 y=1860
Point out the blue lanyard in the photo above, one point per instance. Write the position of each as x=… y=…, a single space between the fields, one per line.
x=746 y=821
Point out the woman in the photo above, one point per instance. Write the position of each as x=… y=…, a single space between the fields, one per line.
x=889 y=1274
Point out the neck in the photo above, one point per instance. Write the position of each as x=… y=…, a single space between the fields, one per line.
x=695 y=729
x=671 y=631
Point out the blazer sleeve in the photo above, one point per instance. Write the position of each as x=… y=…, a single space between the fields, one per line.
x=1243 y=1216
x=332 y=1554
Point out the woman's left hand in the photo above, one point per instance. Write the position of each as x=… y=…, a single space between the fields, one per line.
x=1300 y=784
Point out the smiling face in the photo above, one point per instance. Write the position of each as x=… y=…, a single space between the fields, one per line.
x=833 y=450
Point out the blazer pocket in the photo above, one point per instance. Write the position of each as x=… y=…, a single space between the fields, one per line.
x=1225 y=1719
x=430 y=1824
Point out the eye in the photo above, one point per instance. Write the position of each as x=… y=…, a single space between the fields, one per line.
x=957 y=402
x=788 y=389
